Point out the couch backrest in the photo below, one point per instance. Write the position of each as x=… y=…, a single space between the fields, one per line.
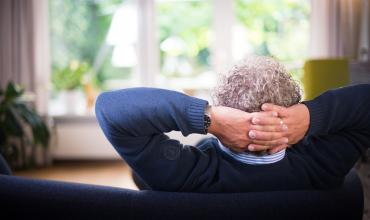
x=45 y=199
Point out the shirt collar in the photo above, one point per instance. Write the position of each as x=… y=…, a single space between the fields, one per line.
x=252 y=158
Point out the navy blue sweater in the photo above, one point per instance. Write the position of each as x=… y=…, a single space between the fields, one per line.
x=135 y=120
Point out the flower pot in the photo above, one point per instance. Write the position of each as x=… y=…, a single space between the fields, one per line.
x=73 y=102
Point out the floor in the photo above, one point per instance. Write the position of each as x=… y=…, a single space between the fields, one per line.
x=109 y=173
x=117 y=173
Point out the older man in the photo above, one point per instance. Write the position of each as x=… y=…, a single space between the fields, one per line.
x=335 y=127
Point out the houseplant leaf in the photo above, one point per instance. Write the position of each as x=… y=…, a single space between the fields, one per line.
x=12 y=92
x=40 y=131
x=12 y=125
x=15 y=117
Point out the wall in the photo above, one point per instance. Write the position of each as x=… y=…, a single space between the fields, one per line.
x=80 y=137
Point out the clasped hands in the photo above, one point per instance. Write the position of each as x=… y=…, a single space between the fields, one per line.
x=272 y=129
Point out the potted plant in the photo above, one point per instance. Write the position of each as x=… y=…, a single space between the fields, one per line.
x=22 y=130
x=68 y=82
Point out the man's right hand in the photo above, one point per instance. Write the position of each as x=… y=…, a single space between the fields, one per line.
x=296 y=118
x=232 y=127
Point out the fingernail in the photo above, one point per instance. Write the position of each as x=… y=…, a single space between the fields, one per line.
x=252 y=134
x=275 y=114
x=251 y=147
x=255 y=120
x=264 y=107
x=285 y=128
x=285 y=140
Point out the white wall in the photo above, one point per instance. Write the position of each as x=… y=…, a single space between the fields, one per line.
x=79 y=137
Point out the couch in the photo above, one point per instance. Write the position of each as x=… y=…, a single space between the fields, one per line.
x=22 y=198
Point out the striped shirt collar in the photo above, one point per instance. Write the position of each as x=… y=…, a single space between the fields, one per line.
x=253 y=159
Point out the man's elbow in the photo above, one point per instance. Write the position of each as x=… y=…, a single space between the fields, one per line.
x=100 y=109
x=99 y=104
x=109 y=113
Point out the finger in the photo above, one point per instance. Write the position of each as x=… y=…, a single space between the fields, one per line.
x=277 y=142
x=271 y=107
x=238 y=149
x=257 y=147
x=265 y=114
x=265 y=136
x=277 y=149
x=270 y=128
x=267 y=121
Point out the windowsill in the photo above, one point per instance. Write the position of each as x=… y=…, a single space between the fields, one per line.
x=77 y=110
x=76 y=119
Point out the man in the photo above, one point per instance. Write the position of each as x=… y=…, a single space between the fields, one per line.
x=335 y=127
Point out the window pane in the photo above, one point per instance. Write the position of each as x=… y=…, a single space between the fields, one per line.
x=93 y=45
x=184 y=40
x=278 y=28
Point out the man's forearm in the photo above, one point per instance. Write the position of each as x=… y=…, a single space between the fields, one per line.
x=147 y=111
x=333 y=111
x=340 y=109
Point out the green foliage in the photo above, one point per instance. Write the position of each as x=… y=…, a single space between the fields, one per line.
x=71 y=76
x=16 y=117
x=279 y=28
x=191 y=22
x=78 y=29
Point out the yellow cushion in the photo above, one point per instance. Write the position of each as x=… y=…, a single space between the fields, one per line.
x=321 y=75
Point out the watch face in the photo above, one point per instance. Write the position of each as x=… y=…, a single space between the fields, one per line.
x=207 y=122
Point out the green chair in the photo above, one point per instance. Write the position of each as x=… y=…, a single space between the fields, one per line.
x=321 y=75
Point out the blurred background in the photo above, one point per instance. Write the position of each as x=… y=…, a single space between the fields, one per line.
x=60 y=54
x=179 y=45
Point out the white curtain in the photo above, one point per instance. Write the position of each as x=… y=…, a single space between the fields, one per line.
x=24 y=47
x=339 y=28
x=16 y=43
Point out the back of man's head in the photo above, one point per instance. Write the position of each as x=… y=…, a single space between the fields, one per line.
x=256 y=80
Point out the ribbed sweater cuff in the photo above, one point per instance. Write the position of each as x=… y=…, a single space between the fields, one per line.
x=317 y=112
x=195 y=111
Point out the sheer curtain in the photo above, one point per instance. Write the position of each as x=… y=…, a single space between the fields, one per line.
x=339 y=28
x=24 y=47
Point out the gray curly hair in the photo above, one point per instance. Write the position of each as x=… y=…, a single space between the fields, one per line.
x=253 y=81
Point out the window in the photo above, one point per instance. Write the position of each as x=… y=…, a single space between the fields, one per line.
x=269 y=28
x=184 y=29
x=93 y=45
x=175 y=44
x=119 y=52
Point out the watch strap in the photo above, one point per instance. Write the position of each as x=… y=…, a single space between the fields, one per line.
x=207 y=119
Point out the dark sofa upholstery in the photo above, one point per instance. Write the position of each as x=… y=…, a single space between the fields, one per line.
x=24 y=197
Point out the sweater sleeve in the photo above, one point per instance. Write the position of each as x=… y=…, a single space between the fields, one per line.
x=134 y=121
x=344 y=109
x=339 y=133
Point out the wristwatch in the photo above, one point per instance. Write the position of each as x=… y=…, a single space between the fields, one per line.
x=207 y=119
